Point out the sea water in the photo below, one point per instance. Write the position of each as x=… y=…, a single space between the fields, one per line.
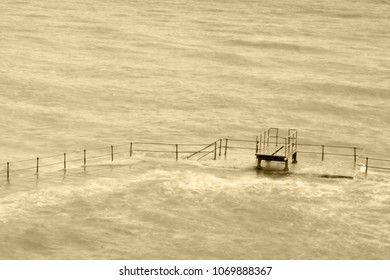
x=80 y=75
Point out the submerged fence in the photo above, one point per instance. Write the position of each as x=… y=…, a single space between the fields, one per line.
x=324 y=152
x=176 y=151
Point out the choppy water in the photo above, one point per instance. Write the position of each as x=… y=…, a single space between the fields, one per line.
x=76 y=75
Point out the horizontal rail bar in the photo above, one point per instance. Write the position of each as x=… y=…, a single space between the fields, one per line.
x=191 y=145
x=306 y=152
x=172 y=152
x=74 y=160
x=154 y=143
x=95 y=149
x=154 y=151
x=378 y=167
x=239 y=140
x=335 y=154
x=52 y=156
x=330 y=146
x=320 y=153
x=188 y=152
x=105 y=155
x=51 y=164
x=240 y=148
x=143 y=143
x=24 y=160
x=378 y=159
x=170 y=144
x=22 y=169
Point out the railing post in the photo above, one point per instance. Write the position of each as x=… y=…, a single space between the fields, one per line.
x=257 y=144
x=323 y=148
x=64 y=161
x=7 y=171
x=289 y=144
x=177 y=152
x=366 y=165
x=267 y=137
x=285 y=147
x=354 y=155
x=296 y=141
x=37 y=165
x=260 y=143
x=220 y=147
x=112 y=153
x=277 y=136
x=215 y=150
x=85 y=157
x=131 y=149
x=226 y=146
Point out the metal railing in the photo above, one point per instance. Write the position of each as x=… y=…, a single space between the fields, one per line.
x=199 y=151
x=87 y=157
x=291 y=142
x=271 y=138
x=376 y=161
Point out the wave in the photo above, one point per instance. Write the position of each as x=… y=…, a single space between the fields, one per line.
x=275 y=46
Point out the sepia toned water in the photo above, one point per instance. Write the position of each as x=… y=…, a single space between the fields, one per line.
x=82 y=74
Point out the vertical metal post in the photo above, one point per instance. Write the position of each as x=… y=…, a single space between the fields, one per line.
x=366 y=165
x=323 y=148
x=294 y=158
x=131 y=149
x=287 y=142
x=257 y=144
x=37 y=165
x=267 y=137
x=220 y=147
x=295 y=143
x=259 y=164
x=64 y=161
x=285 y=147
x=85 y=157
x=226 y=146
x=177 y=152
x=112 y=153
x=215 y=150
x=261 y=142
x=7 y=171
x=354 y=155
x=277 y=136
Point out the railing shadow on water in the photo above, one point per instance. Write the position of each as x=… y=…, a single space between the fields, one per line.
x=79 y=160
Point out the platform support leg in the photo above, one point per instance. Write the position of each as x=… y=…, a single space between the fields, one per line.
x=294 y=158
x=259 y=164
x=286 y=165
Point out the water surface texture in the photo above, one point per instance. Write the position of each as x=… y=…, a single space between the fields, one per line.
x=81 y=74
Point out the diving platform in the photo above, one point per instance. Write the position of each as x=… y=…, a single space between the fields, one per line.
x=272 y=147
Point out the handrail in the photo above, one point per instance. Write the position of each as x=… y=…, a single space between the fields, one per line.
x=200 y=150
x=356 y=152
x=290 y=146
x=207 y=154
x=263 y=140
x=290 y=141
